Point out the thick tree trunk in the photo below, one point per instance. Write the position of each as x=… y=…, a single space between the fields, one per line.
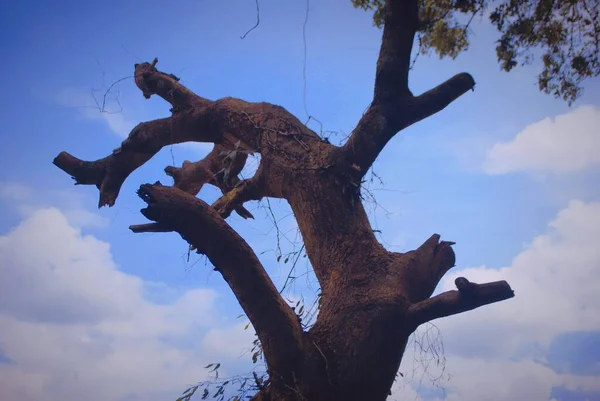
x=372 y=299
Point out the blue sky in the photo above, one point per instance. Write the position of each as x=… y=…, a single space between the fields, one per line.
x=506 y=172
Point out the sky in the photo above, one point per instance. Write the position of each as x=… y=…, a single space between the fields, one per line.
x=90 y=310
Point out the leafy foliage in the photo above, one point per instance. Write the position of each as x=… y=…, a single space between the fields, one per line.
x=565 y=33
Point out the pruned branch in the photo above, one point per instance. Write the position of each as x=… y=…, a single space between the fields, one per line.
x=154 y=82
x=243 y=191
x=469 y=296
x=109 y=173
x=239 y=209
x=436 y=99
x=202 y=227
x=426 y=266
x=217 y=168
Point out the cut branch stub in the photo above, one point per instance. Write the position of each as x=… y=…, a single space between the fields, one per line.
x=192 y=176
x=109 y=173
x=84 y=173
x=154 y=82
x=427 y=265
x=244 y=191
x=469 y=296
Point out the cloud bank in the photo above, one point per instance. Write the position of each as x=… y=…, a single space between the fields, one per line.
x=567 y=143
x=499 y=352
x=72 y=326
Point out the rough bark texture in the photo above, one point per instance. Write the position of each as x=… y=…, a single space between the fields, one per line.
x=372 y=299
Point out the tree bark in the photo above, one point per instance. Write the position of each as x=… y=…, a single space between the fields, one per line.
x=372 y=299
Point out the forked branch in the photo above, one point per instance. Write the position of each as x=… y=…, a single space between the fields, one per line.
x=144 y=141
x=219 y=168
x=394 y=107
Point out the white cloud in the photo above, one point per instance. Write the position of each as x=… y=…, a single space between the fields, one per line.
x=563 y=144
x=505 y=380
x=26 y=201
x=555 y=279
x=75 y=327
x=497 y=352
x=226 y=341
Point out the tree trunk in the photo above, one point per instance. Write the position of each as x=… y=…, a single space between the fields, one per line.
x=372 y=299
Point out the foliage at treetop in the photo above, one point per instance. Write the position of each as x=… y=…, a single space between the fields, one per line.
x=565 y=34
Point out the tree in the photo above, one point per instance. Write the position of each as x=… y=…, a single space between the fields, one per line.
x=372 y=299
x=566 y=33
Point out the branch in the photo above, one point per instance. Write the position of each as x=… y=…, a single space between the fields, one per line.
x=150 y=228
x=436 y=99
x=244 y=191
x=154 y=82
x=426 y=266
x=144 y=141
x=469 y=296
x=219 y=168
x=276 y=325
x=394 y=107
x=237 y=206
x=383 y=121
x=109 y=173
x=401 y=23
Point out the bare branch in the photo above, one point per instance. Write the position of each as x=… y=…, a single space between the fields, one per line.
x=109 y=173
x=394 y=107
x=218 y=168
x=154 y=82
x=150 y=228
x=436 y=99
x=257 y=21
x=240 y=210
x=469 y=296
x=244 y=191
x=200 y=225
x=382 y=122
x=426 y=266
x=401 y=23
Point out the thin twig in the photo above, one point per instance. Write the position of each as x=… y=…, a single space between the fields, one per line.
x=257 y=21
